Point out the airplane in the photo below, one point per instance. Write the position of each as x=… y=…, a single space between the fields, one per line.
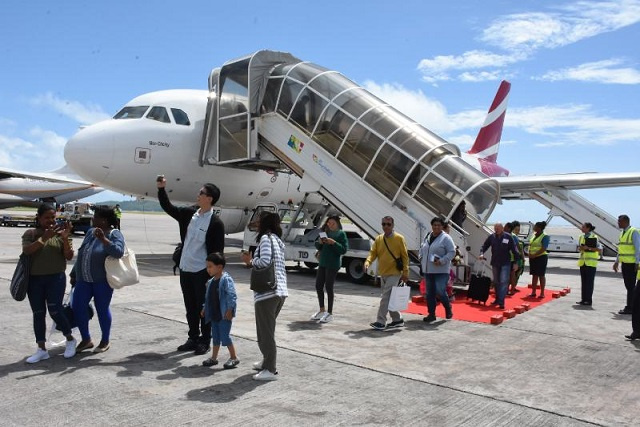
x=20 y=188
x=165 y=132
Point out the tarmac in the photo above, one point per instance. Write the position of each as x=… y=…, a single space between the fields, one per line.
x=556 y=365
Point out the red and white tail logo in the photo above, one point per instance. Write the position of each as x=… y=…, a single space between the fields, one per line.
x=488 y=140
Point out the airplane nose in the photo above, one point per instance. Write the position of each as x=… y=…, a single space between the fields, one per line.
x=90 y=153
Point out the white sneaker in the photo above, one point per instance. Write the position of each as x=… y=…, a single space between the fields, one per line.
x=38 y=356
x=318 y=315
x=328 y=317
x=257 y=366
x=265 y=375
x=70 y=349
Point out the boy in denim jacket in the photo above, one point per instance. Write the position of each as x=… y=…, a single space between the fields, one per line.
x=219 y=309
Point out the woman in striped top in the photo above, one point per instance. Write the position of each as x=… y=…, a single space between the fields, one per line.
x=268 y=304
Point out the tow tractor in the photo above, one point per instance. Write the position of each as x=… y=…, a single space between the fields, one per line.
x=79 y=214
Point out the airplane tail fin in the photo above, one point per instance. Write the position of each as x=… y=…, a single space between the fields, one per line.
x=488 y=140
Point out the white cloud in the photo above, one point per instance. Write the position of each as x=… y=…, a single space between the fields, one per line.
x=526 y=32
x=551 y=125
x=601 y=72
x=42 y=151
x=85 y=114
x=440 y=67
x=522 y=34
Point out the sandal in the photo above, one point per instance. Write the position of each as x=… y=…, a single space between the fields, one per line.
x=541 y=296
x=209 y=362
x=532 y=296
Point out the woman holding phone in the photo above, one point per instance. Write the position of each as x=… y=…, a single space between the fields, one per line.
x=331 y=245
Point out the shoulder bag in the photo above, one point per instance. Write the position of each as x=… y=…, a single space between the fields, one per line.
x=20 y=279
x=122 y=271
x=398 y=261
x=264 y=279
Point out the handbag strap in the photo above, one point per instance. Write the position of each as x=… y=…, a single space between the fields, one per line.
x=271 y=242
x=385 y=243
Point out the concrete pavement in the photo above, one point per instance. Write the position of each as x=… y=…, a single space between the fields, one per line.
x=558 y=364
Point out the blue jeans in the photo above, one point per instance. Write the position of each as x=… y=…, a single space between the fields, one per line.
x=501 y=274
x=437 y=285
x=220 y=333
x=45 y=292
x=101 y=293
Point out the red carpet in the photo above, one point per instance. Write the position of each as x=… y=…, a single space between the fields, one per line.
x=468 y=311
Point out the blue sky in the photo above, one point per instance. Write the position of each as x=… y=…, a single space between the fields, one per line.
x=574 y=69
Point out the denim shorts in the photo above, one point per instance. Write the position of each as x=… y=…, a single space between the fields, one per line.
x=220 y=333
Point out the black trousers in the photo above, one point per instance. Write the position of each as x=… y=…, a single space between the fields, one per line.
x=326 y=277
x=193 y=287
x=588 y=277
x=629 y=277
x=635 y=309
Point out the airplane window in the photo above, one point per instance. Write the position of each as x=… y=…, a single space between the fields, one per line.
x=131 y=112
x=159 y=114
x=180 y=117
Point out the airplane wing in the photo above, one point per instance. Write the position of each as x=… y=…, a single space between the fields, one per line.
x=63 y=175
x=510 y=185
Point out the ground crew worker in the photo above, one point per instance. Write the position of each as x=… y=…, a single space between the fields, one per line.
x=118 y=212
x=629 y=257
x=590 y=250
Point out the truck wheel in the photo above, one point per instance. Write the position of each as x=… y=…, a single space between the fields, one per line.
x=311 y=265
x=355 y=270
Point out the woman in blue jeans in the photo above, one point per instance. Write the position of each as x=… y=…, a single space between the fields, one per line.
x=436 y=254
x=90 y=277
x=50 y=248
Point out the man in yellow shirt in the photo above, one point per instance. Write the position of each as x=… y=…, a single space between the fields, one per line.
x=389 y=248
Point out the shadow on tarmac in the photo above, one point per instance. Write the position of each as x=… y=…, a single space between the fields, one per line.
x=224 y=393
x=133 y=365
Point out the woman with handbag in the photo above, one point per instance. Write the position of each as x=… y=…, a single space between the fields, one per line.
x=269 y=297
x=49 y=247
x=89 y=276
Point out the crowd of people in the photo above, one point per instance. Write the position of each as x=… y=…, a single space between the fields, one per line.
x=209 y=293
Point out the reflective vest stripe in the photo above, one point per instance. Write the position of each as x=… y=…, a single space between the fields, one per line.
x=590 y=259
x=626 y=249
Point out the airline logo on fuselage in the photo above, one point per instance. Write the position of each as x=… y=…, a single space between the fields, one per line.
x=295 y=144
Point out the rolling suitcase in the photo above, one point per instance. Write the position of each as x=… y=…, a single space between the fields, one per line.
x=479 y=286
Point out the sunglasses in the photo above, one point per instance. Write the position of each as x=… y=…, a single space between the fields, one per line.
x=204 y=193
x=384 y=224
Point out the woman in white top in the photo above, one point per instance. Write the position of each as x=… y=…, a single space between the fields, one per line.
x=268 y=304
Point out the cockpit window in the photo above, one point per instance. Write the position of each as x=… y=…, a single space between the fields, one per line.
x=180 y=117
x=160 y=114
x=131 y=112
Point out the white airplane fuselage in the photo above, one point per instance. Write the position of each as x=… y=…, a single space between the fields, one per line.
x=109 y=154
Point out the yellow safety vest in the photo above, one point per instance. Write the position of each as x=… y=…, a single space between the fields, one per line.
x=626 y=249
x=590 y=259
x=536 y=243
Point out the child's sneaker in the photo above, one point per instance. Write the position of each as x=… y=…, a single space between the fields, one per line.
x=231 y=363
x=317 y=315
x=328 y=317
x=38 y=356
x=209 y=362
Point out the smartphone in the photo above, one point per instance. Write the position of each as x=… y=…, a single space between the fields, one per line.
x=159 y=178
x=323 y=235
